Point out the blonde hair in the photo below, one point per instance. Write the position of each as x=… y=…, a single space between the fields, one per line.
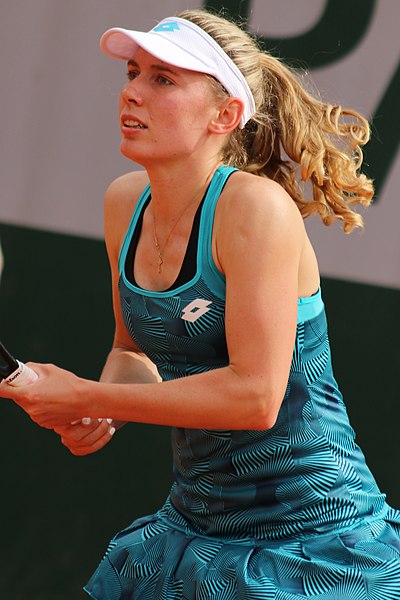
x=322 y=142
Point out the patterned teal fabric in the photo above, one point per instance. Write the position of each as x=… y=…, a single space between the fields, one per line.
x=290 y=513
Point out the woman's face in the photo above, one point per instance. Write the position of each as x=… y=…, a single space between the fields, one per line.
x=164 y=110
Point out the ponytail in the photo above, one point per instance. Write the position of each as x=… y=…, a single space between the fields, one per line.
x=294 y=137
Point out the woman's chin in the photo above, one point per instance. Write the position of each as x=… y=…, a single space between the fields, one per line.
x=130 y=150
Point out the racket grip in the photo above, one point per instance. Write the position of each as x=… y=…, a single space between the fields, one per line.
x=21 y=376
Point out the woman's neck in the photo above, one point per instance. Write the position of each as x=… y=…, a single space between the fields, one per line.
x=175 y=187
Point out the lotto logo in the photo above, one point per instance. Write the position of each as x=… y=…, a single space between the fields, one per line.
x=195 y=310
x=171 y=26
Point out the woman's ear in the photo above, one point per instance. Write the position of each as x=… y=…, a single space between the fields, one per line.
x=228 y=116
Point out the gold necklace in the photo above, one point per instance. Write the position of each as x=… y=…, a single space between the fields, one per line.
x=157 y=243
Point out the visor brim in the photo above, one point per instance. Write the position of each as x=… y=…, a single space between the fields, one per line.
x=124 y=43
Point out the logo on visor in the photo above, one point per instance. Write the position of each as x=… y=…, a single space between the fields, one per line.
x=171 y=26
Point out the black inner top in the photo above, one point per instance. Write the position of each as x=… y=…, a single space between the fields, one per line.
x=189 y=264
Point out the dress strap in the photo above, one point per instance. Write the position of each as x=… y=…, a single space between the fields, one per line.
x=131 y=227
x=309 y=307
x=211 y=275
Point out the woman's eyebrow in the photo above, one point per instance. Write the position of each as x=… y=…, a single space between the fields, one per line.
x=156 y=67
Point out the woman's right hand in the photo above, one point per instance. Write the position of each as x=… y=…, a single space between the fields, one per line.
x=86 y=436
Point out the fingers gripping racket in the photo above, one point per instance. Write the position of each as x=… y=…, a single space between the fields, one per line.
x=13 y=371
x=16 y=373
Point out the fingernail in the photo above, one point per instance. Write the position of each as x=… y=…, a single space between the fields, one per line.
x=86 y=420
x=109 y=421
x=112 y=430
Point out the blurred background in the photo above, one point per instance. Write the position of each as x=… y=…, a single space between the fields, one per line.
x=59 y=150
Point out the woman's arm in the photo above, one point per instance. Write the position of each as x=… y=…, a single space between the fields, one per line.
x=122 y=366
x=258 y=247
x=125 y=363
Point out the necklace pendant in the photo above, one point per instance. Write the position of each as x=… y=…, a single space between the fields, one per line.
x=156 y=242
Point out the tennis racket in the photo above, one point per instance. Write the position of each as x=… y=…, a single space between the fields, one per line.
x=13 y=371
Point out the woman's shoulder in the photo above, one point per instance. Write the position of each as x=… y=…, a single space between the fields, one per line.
x=126 y=188
x=120 y=200
x=251 y=197
x=256 y=219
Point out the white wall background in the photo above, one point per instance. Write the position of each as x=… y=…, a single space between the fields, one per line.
x=59 y=127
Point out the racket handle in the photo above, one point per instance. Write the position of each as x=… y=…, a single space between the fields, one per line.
x=21 y=376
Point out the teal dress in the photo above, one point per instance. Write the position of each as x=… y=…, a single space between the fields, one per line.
x=290 y=513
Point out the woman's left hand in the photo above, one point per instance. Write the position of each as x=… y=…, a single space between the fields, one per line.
x=57 y=397
x=86 y=437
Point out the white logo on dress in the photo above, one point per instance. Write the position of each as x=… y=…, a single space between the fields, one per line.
x=196 y=309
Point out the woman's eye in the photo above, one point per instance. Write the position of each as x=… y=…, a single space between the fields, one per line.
x=163 y=80
x=131 y=75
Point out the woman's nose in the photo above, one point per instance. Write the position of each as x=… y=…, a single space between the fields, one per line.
x=131 y=93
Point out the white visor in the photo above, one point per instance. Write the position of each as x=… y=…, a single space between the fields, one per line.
x=183 y=44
